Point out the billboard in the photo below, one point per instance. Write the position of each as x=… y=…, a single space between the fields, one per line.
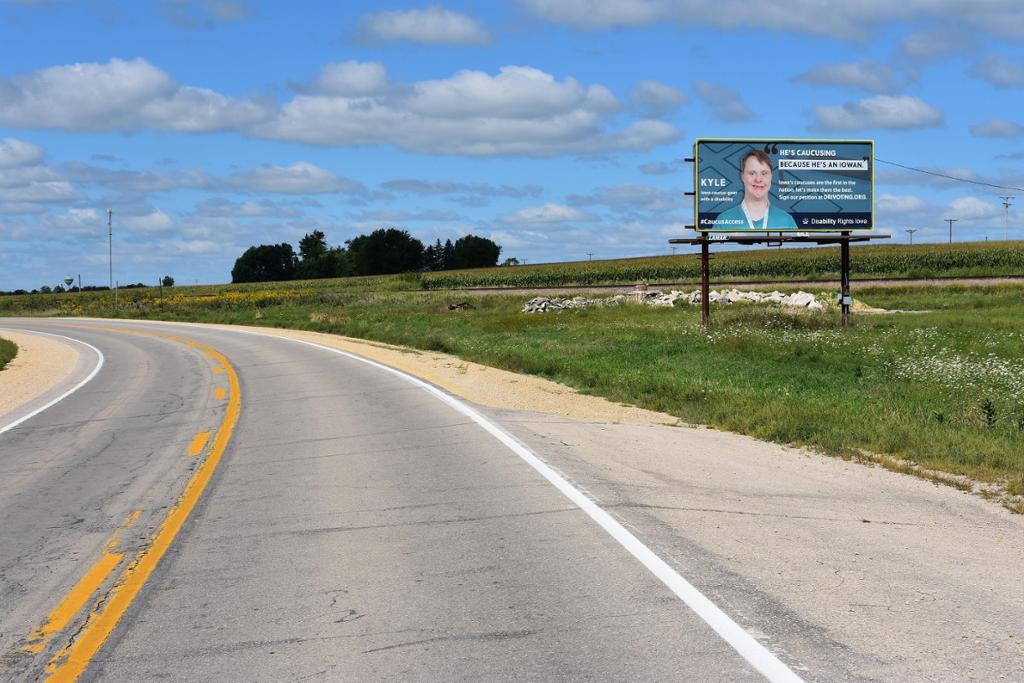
x=779 y=185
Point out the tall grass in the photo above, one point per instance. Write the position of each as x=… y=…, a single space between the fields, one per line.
x=8 y=350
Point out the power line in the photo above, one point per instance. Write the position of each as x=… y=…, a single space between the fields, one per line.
x=951 y=177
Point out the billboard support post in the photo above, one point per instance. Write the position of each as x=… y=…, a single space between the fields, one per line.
x=844 y=280
x=705 y=282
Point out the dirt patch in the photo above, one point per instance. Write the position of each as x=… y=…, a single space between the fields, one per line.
x=41 y=363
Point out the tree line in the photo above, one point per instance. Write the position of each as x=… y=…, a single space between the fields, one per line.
x=382 y=252
x=165 y=281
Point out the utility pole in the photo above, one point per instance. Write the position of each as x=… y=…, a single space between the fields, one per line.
x=911 y=231
x=590 y=256
x=110 y=243
x=673 y=251
x=1007 y=201
x=951 y=221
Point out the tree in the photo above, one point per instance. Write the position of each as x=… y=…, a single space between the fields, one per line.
x=475 y=252
x=313 y=246
x=448 y=256
x=314 y=261
x=433 y=257
x=264 y=263
x=510 y=261
x=339 y=263
x=385 y=251
x=168 y=281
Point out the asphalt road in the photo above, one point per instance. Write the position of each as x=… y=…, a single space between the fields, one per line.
x=339 y=522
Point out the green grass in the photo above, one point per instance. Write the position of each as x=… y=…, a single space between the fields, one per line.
x=8 y=350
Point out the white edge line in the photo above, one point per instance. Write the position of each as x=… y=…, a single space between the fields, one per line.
x=95 y=371
x=770 y=666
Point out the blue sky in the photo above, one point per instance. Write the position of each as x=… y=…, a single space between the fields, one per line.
x=554 y=127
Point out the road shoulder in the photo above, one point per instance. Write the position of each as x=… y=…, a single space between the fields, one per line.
x=41 y=364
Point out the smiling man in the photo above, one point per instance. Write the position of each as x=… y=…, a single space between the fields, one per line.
x=755 y=211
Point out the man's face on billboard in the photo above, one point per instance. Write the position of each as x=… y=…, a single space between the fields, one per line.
x=757 y=179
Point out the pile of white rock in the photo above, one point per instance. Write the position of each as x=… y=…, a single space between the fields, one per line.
x=542 y=304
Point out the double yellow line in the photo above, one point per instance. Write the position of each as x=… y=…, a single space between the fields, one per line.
x=72 y=659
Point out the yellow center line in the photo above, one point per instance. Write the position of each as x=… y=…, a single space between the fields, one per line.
x=219 y=393
x=72 y=660
x=196 y=447
x=63 y=613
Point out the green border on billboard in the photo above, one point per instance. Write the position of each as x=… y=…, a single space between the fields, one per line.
x=775 y=142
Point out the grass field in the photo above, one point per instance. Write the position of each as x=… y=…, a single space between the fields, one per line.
x=7 y=352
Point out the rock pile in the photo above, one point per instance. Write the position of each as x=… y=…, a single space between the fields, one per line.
x=542 y=304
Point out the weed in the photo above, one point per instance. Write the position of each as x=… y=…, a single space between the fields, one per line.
x=988 y=412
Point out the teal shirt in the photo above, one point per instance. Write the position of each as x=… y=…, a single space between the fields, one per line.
x=733 y=219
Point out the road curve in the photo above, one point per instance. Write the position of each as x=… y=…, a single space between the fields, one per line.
x=356 y=527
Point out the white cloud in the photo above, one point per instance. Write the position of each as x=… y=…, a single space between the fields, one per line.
x=118 y=95
x=520 y=111
x=872 y=76
x=154 y=222
x=20 y=208
x=74 y=222
x=38 y=191
x=350 y=79
x=204 y=14
x=1000 y=71
x=15 y=153
x=997 y=128
x=197 y=110
x=593 y=14
x=630 y=197
x=546 y=214
x=25 y=175
x=881 y=111
x=935 y=43
x=221 y=208
x=299 y=178
x=190 y=247
x=845 y=20
x=399 y=216
x=900 y=204
x=430 y=26
x=660 y=168
x=442 y=187
x=726 y=103
x=658 y=98
x=517 y=91
x=972 y=208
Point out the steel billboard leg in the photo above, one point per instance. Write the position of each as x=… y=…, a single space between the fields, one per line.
x=705 y=282
x=844 y=285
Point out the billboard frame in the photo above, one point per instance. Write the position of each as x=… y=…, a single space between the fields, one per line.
x=775 y=141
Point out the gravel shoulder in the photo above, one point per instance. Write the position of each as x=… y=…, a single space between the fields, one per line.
x=42 y=363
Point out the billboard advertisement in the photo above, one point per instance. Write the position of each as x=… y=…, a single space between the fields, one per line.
x=784 y=185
